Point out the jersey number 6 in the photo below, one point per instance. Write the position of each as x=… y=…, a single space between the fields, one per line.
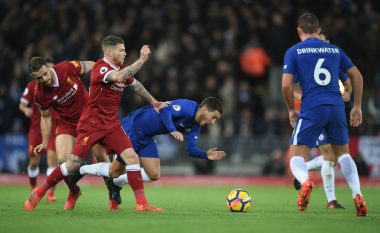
x=318 y=70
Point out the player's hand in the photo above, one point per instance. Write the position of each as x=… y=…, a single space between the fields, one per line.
x=346 y=97
x=160 y=105
x=144 y=53
x=293 y=117
x=177 y=135
x=37 y=150
x=214 y=154
x=356 y=116
x=28 y=112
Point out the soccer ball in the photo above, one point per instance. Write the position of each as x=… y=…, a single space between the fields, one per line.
x=238 y=200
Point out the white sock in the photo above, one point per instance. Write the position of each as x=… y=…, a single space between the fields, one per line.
x=328 y=175
x=315 y=164
x=97 y=169
x=299 y=168
x=123 y=179
x=33 y=172
x=64 y=170
x=350 y=172
x=49 y=170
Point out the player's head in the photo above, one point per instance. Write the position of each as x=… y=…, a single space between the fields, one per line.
x=323 y=36
x=209 y=111
x=39 y=70
x=308 y=25
x=114 y=49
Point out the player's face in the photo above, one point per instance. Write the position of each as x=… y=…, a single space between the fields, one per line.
x=209 y=118
x=118 y=54
x=43 y=76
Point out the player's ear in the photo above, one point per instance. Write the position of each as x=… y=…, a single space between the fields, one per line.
x=299 y=31
x=319 y=30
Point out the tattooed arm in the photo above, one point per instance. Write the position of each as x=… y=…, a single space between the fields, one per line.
x=127 y=72
x=141 y=91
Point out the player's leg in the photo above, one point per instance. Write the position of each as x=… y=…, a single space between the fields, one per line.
x=52 y=164
x=304 y=136
x=328 y=176
x=338 y=135
x=101 y=155
x=70 y=167
x=33 y=170
x=34 y=138
x=121 y=144
x=350 y=172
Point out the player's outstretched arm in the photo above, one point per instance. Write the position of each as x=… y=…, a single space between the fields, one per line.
x=357 y=81
x=214 y=154
x=129 y=71
x=46 y=124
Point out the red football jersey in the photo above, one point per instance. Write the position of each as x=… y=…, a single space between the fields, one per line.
x=104 y=99
x=68 y=96
x=27 y=98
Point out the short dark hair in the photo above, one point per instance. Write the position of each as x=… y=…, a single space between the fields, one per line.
x=36 y=63
x=309 y=23
x=212 y=104
x=112 y=40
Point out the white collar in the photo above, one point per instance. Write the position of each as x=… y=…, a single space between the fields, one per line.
x=112 y=65
x=55 y=78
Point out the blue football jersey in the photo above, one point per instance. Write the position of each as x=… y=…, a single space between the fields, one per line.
x=317 y=65
x=178 y=116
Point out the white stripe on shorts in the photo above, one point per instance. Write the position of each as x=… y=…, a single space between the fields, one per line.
x=295 y=139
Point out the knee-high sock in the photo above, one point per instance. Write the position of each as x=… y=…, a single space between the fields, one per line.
x=328 y=175
x=58 y=174
x=299 y=168
x=136 y=183
x=123 y=179
x=350 y=172
x=97 y=169
x=315 y=164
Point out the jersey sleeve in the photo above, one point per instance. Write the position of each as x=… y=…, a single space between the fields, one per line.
x=28 y=95
x=289 y=63
x=345 y=61
x=191 y=144
x=176 y=109
x=343 y=76
x=76 y=67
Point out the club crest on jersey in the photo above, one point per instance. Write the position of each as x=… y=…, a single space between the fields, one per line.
x=69 y=80
x=177 y=108
x=103 y=69
x=85 y=140
x=75 y=63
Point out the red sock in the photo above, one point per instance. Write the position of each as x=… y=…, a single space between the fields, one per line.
x=54 y=178
x=136 y=182
x=33 y=182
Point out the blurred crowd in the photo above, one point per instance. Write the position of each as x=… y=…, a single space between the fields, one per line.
x=230 y=49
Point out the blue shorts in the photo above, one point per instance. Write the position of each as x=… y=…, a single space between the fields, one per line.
x=312 y=122
x=322 y=139
x=143 y=145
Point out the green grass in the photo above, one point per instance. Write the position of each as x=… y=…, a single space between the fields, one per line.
x=188 y=209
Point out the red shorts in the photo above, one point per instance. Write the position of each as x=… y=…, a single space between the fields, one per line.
x=35 y=139
x=114 y=139
x=66 y=127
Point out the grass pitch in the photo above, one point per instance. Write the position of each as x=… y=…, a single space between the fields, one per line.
x=188 y=209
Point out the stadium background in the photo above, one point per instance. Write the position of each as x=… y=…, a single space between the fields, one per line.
x=232 y=50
